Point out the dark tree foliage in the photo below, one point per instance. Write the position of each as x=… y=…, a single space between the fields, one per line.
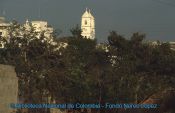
x=121 y=71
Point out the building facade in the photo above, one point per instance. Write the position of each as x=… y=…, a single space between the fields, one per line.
x=39 y=27
x=4 y=27
x=88 y=25
x=172 y=45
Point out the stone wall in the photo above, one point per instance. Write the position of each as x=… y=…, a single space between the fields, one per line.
x=8 y=88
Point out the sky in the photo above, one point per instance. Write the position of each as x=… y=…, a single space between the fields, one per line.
x=155 y=18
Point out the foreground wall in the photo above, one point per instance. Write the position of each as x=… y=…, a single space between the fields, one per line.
x=8 y=88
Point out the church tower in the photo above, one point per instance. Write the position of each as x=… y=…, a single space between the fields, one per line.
x=88 y=25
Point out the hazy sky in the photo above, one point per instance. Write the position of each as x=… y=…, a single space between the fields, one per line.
x=156 y=18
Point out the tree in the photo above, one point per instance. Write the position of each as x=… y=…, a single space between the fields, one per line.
x=76 y=32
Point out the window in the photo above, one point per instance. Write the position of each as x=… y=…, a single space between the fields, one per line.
x=85 y=22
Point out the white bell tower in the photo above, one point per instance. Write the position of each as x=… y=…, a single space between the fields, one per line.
x=88 y=25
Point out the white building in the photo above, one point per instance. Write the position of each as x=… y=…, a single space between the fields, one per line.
x=88 y=25
x=3 y=31
x=156 y=43
x=40 y=27
x=2 y=19
x=172 y=45
x=3 y=27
